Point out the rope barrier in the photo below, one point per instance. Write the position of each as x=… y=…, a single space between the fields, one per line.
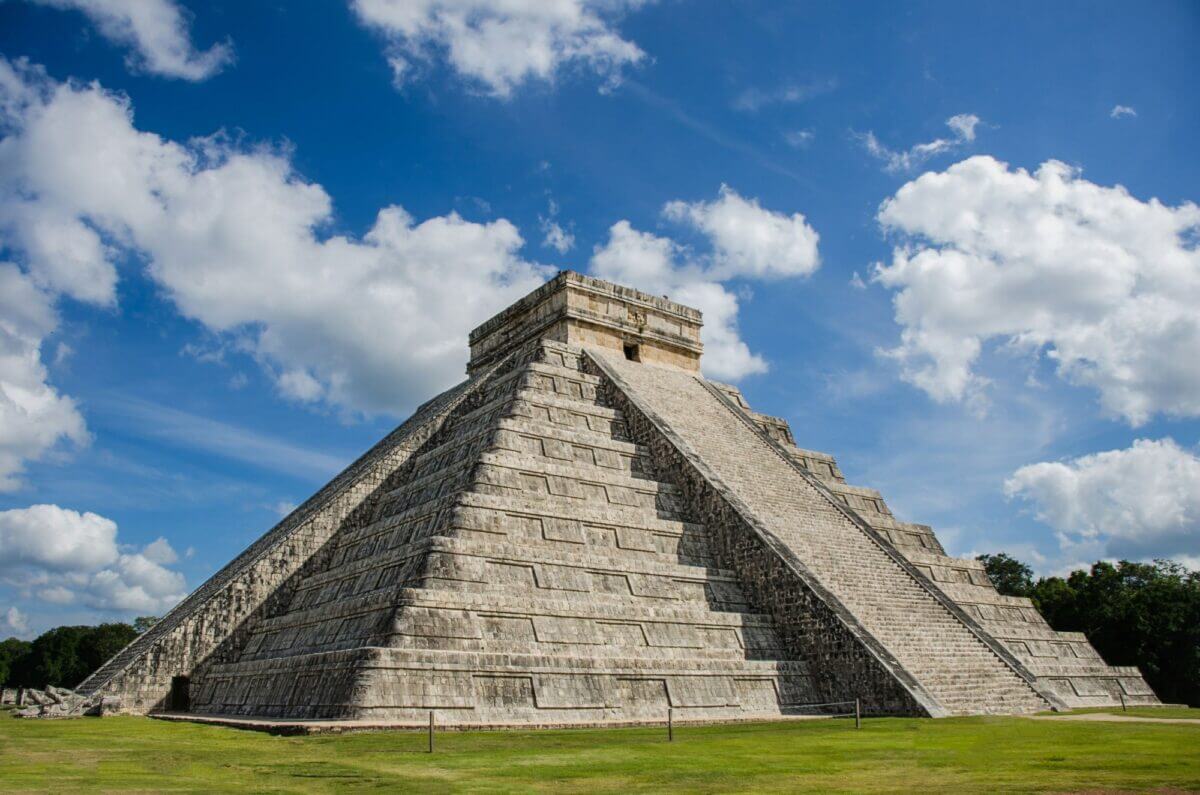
x=824 y=704
x=857 y=713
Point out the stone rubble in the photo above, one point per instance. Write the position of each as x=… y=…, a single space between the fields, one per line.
x=59 y=702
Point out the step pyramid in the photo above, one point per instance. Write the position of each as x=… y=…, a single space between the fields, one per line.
x=586 y=531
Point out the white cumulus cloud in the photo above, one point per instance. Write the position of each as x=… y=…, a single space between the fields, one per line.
x=502 y=45
x=34 y=417
x=898 y=161
x=1107 y=285
x=747 y=241
x=1141 y=502
x=556 y=236
x=234 y=237
x=14 y=622
x=160 y=551
x=56 y=538
x=66 y=555
x=157 y=30
x=60 y=256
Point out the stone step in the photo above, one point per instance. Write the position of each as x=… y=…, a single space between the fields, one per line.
x=570 y=471
x=860 y=498
x=554 y=562
x=428 y=590
x=612 y=645
x=611 y=516
x=1072 y=667
x=607 y=607
x=1025 y=630
x=641 y=495
x=459 y=467
x=527 y=397
x=555 y=371
x=968 y=593
x=547 y=430
x=453 y=660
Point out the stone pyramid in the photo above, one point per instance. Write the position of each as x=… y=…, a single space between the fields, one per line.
x=586 y=531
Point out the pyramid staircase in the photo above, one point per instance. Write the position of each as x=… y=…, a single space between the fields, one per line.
x=948 y=665
x=1064 y=664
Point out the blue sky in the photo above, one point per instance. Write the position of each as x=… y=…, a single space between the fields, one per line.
x=954 y=245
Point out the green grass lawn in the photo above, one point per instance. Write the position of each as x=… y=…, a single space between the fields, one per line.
x=887 y=755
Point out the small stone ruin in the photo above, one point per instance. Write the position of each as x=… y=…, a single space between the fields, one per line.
x=58 y=702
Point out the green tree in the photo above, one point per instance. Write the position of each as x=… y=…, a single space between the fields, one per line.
x=11 y=651
x=1010 y=576
x=65 y=656
x=53 y=659
x=103 y=642
x=1055 y=599
x=1143 y=614
x=143 y=623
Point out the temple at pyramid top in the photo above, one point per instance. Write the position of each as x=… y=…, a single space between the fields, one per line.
x=587 y=531
x=583 y=311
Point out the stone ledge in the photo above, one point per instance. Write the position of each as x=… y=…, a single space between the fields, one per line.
x=313 y=727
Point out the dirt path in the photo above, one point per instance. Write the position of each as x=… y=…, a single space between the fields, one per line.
x=1106 y=717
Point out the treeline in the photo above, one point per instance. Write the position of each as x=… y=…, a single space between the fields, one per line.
x=64 y=656
x=1143 y=614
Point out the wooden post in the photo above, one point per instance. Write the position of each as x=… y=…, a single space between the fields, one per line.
x=670 y=725
x=1123 y=707
x=857 y=715
x=431 y=731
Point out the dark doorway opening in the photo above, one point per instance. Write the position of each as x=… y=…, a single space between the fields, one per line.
x=180 y=700
x=631 y=353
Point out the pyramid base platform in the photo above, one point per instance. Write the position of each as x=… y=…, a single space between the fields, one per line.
x=287 y=727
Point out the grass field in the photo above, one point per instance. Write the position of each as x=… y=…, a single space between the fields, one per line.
x=887 y=755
